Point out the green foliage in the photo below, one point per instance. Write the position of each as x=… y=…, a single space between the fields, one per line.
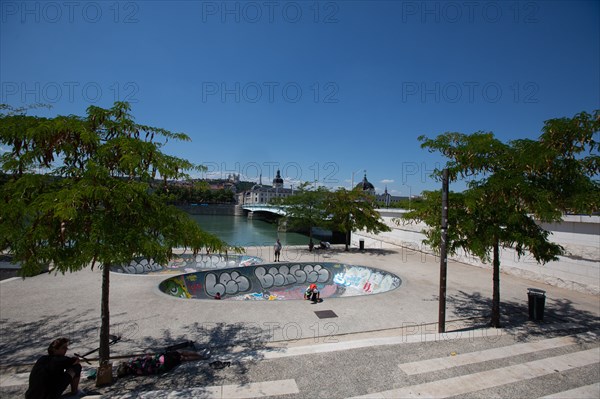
x=401 y=204
x=306 y=208
x=198 y=192
x=554 y=174
x=339 y=210
x=513 y=185
x=350 y=210
x=477 y=220
x=95 y=203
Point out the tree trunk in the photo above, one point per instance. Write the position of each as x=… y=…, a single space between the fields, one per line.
x=104 y=352
x=495 y=322
x=347 y=239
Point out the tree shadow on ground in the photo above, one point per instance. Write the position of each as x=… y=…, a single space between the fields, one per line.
x=23 y=342
x=559 y=315
x=333 y=251
x=242 y=345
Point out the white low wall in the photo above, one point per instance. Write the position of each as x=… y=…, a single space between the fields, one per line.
x=578 y=270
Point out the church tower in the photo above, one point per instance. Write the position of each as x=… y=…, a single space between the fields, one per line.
x=278 y=181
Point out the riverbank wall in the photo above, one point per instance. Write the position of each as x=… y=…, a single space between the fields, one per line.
x=212 y=209
x=578 y=269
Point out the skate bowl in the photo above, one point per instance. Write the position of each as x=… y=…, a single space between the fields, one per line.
x=187 y=263
x=280 y=282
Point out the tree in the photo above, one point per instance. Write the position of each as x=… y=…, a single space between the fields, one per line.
x=96 y=203
x=513 y=185
x=306 y=208
x=349 y=210
x=196 y=192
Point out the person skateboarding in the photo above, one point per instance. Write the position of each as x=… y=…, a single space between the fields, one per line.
x=312 y=293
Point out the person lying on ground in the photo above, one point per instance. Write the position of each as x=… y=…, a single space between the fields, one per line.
x=156 y=364
x=54 y=372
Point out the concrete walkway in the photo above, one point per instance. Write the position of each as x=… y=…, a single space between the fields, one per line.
x=36 y=310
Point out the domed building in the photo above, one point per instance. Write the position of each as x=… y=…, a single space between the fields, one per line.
x=278 y=181
x=260 y=194
x=365 y=185
x=385 y=199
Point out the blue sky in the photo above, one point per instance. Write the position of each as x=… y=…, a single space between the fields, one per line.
x=321 y=90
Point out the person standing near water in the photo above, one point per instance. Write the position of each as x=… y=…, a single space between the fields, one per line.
x=277 y=249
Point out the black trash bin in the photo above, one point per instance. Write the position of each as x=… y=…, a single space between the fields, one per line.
x=537 y=300
x=361 y=244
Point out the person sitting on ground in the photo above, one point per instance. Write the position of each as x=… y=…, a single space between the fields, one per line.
x=156 y=364
x=54 y=372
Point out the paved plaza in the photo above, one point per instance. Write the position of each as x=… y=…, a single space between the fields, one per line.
x=384 y=345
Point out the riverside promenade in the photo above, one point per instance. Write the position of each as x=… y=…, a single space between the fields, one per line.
x=384 y=345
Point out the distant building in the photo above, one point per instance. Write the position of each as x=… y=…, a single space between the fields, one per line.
x=263 y=194
x=385 y=199
x=365 y=185
x=233 y=178
x=222 y=185
x=260 y=194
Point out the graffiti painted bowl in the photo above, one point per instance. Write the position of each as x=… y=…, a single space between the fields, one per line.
x=187 y=263
x=276 y=282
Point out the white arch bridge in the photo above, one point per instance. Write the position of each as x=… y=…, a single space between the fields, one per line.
x=265 y=208
x=280 y=210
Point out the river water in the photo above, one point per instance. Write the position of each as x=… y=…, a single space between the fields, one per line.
x=244 y=232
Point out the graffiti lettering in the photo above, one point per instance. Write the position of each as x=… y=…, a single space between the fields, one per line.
x=266 y=280
x=142 y=266
x=289 y=278
x=281 y=282
x=298 y=274
x=228 y=283
x=316 y=274
x=194 y=287
x=176 y=263
x=366 y=280
x=282 y=275
x=187 y=263
x=278 y=278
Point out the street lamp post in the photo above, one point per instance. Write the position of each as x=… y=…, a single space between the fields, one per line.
x=409 y=194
